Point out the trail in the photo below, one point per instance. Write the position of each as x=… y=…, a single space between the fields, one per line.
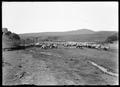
x=103 y=69
x=39 y=73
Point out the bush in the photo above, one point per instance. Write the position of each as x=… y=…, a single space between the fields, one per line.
x=10 y=39
x=14 y=36
x=112 y=38
x=8 y=33
x=4 y=30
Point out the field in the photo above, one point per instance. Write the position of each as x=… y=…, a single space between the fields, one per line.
x=63 y=66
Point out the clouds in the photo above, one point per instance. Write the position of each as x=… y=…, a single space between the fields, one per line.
x=59 y=16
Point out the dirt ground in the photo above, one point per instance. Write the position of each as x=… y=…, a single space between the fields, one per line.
x=63 y=66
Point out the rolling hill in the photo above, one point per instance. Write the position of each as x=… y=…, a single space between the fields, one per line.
x=97 y=36
x=76 y=35
x=81 y=31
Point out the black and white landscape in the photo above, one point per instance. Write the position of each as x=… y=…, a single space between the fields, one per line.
x=73 y=57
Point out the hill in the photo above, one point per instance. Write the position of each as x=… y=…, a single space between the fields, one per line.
x=76 y=35
x=97 y=36
x=81 y=31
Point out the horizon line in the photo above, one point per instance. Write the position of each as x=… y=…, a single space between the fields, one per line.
x=62 y=31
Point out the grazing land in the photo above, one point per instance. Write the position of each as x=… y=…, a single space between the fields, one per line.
x=63 y=66
x=43 y=61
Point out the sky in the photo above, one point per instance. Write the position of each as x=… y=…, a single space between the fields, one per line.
x=31 y=17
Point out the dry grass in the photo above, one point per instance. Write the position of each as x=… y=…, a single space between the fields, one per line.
x=68 y=66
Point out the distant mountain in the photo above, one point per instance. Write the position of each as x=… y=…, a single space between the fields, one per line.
x=76 y=35
x=81 y=31
x=74 y=32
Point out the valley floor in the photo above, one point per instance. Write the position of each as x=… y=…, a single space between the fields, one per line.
x=63 y=66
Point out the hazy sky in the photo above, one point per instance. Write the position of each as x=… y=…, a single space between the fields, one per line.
x=26 y=17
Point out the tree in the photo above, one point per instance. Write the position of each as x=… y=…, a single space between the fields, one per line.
x=4 y=30
x=14 y=36
x=112 y=38
x=10 y=39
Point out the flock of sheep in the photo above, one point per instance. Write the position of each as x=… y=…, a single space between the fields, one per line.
x=81 y=45
x=50 y=45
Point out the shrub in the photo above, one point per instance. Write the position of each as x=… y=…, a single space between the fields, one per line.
x=112 y=38
x=10 y=39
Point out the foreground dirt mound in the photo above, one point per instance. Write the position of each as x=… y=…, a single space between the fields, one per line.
x=9 y=39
